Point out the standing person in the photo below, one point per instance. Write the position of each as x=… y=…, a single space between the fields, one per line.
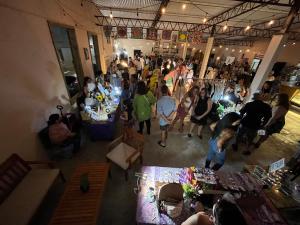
x=138 y=65
x=255 y=115
x=184 y=107
x=266 y=91
x=166 y=107
x=222 y=133
x=132 y=71
x=142 y=103
x=159 y=61
x=277 y=121
x=200 y=113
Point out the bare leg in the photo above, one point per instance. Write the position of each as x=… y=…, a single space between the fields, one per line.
x=181 y=123
x=191 y=129
x=163 y=137
x=199 y=132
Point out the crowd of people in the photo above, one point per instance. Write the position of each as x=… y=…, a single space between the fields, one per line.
x=170 y=90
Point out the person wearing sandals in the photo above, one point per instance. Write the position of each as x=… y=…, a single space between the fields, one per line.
x=200 y=113
x=166 y=107
x=184 y=107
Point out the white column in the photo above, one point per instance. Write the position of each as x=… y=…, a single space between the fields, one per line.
x=268 y=62
x=208 y=48
x=184 y=50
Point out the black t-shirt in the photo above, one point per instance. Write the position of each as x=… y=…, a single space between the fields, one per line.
x=255 y=114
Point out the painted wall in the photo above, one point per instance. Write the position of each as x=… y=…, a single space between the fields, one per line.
x=32 y=82
x=134 y=44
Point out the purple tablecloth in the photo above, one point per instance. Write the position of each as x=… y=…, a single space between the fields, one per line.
x=147 y=211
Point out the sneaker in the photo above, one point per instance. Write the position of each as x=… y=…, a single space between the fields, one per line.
x=159 y=142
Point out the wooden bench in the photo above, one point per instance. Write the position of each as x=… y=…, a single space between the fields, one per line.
x=22 y=188
x=76 y=207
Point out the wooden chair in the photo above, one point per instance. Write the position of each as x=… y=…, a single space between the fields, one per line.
x=126 y=149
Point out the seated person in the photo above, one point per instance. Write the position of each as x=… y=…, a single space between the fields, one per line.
x=59 y=133
x=225 y=212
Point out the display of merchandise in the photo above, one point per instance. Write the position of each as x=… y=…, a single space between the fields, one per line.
x=103 y=100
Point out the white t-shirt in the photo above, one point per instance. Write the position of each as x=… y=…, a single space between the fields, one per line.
x=138 y=65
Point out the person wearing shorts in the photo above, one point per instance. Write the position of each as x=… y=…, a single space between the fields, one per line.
x=166 y=107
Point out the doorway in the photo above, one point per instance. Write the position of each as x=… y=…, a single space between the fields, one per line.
x=94 y=51
x=65 y=45
x=137 y=53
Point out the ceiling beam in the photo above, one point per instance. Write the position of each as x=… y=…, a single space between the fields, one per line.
x=181 y=26
x=233 y=12
x=278 y=3
x=157 y=17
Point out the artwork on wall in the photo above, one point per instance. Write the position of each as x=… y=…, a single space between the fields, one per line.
x=86 y=53
x=166 y=34
x=122 y=32
x=137 y=32
x=182 y=36
x=151 y=34
x=174 y=37
x=195 y=37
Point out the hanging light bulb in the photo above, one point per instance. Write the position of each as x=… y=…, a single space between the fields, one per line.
x=214 y=49
x=163 y=10
x=220 y=46
x=248 y=50
x=233 y=50
x=241 y=51
x=247 y=28
x=271 y=22
x=226 y=49
x=294 y=43
x=218 y=58
x=137 y=12
x=284 y=45
x=183 y=6
x=111 y=15
x=204 y=20
x=225 y=27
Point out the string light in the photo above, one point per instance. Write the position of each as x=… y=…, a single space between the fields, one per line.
x=111 y=15
x=163 y=10
x=220 y=46
x=247 y=28
x=183 y=6
x=225 y=26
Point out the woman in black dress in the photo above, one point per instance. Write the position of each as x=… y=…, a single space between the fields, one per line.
x=200 y=112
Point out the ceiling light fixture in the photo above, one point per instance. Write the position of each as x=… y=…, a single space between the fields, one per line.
x=183 y=6
x=247 y=28
x=163 y=10
x=205 y=18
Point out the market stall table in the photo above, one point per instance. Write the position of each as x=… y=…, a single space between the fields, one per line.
x=256 y=208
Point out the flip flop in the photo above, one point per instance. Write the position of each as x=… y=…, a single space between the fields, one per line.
x=161 y=144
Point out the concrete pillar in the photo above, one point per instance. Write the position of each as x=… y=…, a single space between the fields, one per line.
x=208 y=48
x=268 y=62
x=184 y=50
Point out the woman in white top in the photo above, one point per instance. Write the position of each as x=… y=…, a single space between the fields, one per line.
x=132 y=70
x=277 y=121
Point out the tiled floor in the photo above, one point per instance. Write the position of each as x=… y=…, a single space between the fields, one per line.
x=119 y=204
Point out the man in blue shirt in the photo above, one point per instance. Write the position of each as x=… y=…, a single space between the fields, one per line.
x=166 y=107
